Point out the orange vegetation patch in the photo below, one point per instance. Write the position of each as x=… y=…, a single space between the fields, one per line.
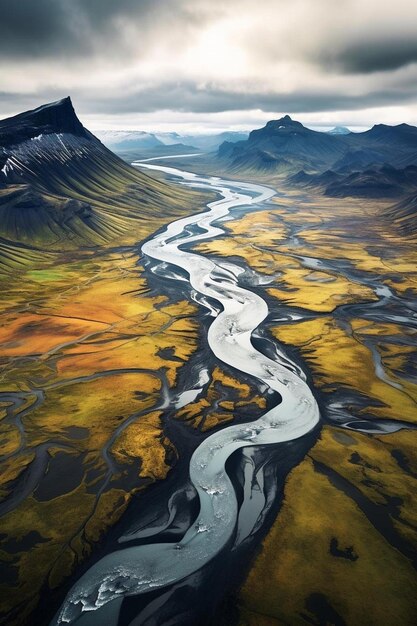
x=31 y=334
x=110 y=298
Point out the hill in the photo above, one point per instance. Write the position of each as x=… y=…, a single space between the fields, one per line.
x=384 y=182
x=404 y=215
x=378 y=182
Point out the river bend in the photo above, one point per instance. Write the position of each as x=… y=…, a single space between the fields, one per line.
x=139 y=569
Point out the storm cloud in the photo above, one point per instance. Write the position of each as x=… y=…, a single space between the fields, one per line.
x=378 y=56
x=80 y=28
x=210 y=57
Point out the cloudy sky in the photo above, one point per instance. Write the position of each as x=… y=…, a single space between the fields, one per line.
x=212 y=64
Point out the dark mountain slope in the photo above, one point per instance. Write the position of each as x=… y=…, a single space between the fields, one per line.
x=385 y=182
x=284 y=145
x=28 y=216
x=50 y=118
x=377 y=183
x=382 y=182
x=404 y=215
x=356 y=160
x=401 y=135
x=60 y=187
x=396 y=145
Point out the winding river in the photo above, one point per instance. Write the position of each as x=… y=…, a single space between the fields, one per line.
x=139 y=569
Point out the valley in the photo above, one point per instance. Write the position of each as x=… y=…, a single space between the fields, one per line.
x=208 y=384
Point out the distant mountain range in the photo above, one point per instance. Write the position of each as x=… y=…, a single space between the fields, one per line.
x=123 y=141
x=60 y=187
x=209 y=142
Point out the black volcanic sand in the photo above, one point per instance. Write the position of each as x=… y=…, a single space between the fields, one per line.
x=346 y=283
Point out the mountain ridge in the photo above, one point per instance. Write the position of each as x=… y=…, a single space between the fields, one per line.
x=287 y=143
x=54 y=117
x=292 y=146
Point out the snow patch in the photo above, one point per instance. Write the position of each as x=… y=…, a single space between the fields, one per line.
x=7 y=167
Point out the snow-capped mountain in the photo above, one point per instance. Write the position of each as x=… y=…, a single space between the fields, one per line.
x=339 y=130
x=128 y=139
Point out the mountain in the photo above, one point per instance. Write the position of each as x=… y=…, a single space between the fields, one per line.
x=49 y=118
x=286 y=146
x=283 y=145
x=168 y=139
x=401 y=135
x=61 y=188
x=339 y=130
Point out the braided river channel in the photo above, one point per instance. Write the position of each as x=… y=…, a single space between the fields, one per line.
x=236 y=312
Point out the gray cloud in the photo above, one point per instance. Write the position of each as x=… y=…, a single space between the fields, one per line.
x=187 y=97
x=373 y=56
x=47 y=28
x=26 y=27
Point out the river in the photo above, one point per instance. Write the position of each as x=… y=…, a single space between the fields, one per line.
x=237 y=312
